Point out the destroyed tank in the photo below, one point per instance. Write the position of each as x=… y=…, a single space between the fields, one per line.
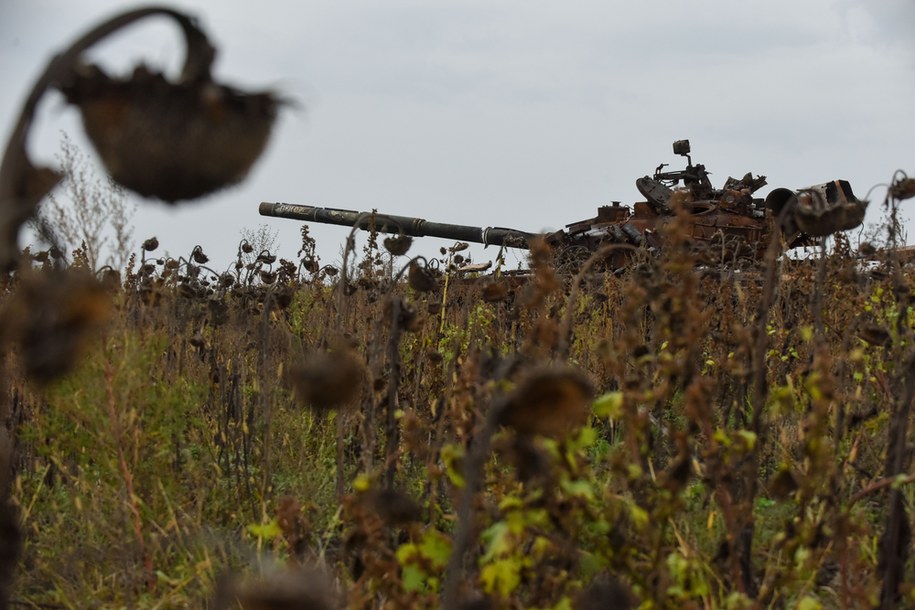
x=725 y=225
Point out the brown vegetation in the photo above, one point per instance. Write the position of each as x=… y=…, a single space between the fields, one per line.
x=274 y=436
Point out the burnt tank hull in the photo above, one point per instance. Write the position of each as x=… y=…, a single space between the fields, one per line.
x=726 y=224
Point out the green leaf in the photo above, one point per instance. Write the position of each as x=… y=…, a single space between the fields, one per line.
x=405 y=552
x=639 y=516
x=634 y=471
x=579 y=489
x=451 y=457
x=436 y=547
x=540 y=547
x=765 y=503
x=498 y=539
x=586 y=437
x=362 y=482
x=265 y=531
x=533 y=517
x=609 y=405
x=415 y=560
x=748 y=437
x=563 y=604
x=509 y=503
x=502 y=576
x=413 y=578
x=738 y=601
x=591 y=564
x=809 y=603
x=806 y=333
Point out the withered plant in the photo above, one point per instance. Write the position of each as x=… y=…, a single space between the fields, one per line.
x=93 y=215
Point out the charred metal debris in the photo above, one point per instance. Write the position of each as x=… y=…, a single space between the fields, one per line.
x=724 y=225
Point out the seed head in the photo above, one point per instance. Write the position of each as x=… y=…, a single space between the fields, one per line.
x=493 y=292
x=167 y=140
x=399 y=245
x=199 y=257
x=550 y=401
x=328 y=380
x=52 y=316
x=392 y=506
x=903 y=189
x=421 y=278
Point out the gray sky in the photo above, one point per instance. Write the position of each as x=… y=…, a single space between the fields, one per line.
x=526 y=114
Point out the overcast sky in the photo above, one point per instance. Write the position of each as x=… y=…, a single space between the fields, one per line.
x=526 y=114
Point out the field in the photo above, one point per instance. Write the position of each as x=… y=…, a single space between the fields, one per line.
x=394 y=435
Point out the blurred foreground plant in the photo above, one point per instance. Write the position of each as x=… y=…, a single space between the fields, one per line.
x=171 y=140
x=161 y=139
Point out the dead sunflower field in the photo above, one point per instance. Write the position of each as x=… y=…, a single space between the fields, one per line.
x=281 y=434
x=389 y=433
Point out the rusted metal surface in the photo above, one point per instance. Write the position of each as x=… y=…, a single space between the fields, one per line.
x=723 y=224
x=819 y=210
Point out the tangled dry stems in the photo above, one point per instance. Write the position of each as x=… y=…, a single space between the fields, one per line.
x=690 y=439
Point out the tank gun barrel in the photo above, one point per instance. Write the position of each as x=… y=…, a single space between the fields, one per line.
x=402 y=225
